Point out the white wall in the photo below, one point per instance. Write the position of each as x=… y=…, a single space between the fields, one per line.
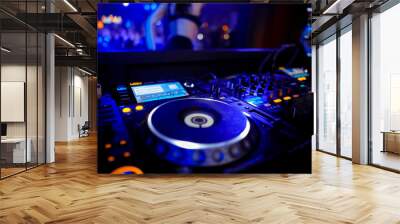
x=33 y=126
x=14 y=72
x=71 y=102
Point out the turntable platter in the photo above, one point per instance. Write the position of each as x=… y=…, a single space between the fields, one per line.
x=200 y=132
x=197 y=123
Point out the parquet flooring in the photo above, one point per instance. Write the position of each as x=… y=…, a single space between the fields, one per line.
x=70 y=191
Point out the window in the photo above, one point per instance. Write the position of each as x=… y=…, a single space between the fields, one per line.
x=346 y=93
x=327 y=96
x=385 y=89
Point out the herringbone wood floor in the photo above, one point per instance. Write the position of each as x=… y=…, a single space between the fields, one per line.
x=70 y=191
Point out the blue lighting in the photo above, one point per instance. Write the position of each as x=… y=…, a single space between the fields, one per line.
x=121 y=88
x=128 y=24
x=255 y=100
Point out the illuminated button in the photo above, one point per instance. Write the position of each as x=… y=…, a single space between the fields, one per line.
x=286 y=98
x=135 y=83
x=111 y=159
x=226 y=36
x=277 y=100
x=267 y=105
x=296 y=96
x=126 y=110
x=139 y=107
x=127 y=154
x=121 y=88
x=225 y=28
x=122 y=142
x=108 y=146
x=302 y=79
x=100 y=25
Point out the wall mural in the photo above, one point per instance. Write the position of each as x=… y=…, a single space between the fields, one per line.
x=204 y=88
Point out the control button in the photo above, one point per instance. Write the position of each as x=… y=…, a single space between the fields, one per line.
x=198 y=156
x=126 y=110
x=127 y=154
x=301 y=79
x=121 y=88
x=161 y=149
x=123 y=142
x=247 y=144
x=135 y=83
x=111 y=159
x=218 y=156
x=188 y=84
x=277 y=100
x=139 y=107
x=177 y=154
x=235 y=151
x=108 y=146
x=286 y=98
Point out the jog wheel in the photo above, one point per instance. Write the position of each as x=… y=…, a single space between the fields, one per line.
x=200 y=132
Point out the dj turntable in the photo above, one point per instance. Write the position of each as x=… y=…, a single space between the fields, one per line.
x=242 y=123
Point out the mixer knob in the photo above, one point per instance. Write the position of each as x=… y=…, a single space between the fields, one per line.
x=230 y=85
x=241 y=91
x=253 y=79
x=260 y=91
x=263 y=84
x=217 y=92
x=213 y=87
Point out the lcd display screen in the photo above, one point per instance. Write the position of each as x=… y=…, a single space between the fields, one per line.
x=159 y=91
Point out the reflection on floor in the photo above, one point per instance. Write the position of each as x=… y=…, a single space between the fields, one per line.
x=387 y=159
x=70 y=191
x=11 y=169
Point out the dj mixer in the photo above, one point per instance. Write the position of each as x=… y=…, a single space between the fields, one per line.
x=243 y=123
